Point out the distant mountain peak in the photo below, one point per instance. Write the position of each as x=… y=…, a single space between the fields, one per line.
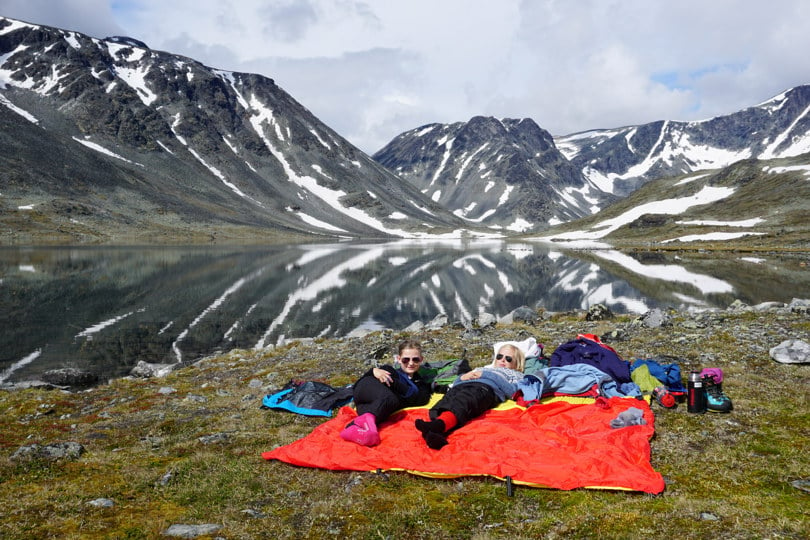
x=621 y=160
x=505 y=174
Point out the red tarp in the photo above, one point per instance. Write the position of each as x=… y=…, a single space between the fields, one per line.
x=557 y=445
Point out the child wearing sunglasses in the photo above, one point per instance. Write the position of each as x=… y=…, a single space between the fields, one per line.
x=472 y=394
x=383 y=390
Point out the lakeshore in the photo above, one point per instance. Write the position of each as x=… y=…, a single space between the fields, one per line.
x=145 y=455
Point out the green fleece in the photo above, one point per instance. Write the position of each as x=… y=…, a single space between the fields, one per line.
x=646 y=382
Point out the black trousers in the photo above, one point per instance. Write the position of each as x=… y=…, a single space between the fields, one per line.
x=466 y=401
x=372 y=396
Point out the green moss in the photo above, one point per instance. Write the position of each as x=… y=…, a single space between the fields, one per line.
x=735 y=466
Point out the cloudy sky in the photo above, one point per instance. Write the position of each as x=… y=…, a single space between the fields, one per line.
x=373 y=69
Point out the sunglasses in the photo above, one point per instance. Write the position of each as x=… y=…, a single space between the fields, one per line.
x=507 y=358
x=407 y=360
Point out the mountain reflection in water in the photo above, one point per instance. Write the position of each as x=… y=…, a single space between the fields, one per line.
x=104 y=309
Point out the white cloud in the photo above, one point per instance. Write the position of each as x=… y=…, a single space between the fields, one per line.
x=374 y=69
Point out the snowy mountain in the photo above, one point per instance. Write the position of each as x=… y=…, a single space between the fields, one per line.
x=512 y=174
x=505 y=174
x=765 y=202
x=106 y=139
x=620 y=160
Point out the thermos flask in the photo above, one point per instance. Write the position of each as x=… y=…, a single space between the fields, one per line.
x=696 y=394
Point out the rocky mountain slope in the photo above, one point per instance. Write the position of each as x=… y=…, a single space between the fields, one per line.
x=621 y=160
x=761 y=203
x=507 y=174
x=105 y=139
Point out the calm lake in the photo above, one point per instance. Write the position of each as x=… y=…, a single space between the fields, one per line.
x=103 y=309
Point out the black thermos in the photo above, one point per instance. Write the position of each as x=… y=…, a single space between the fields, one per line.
x=696 y=394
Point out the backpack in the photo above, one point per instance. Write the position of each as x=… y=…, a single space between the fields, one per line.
x=589 y=349
x=439 y=375
x=310 y=398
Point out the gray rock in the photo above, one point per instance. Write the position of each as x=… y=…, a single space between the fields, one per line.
x=739 y=305
x=506 y=319
x=69 y=450
x=69 y=377
x=166 y=390
x=254 y=513
x=768 y=306
x=166 y=478
x=471 y=333
x=191 y=531
x=438 y=322
x=50 y=452
x=24 y=385
x=791 y=351
x=416 y=326
x=102 y=503
x=655 y=318
x=354 y=481
x=26 y=453
x=214 y=438
x=802 y=484
x=485 y=320
x=524 y=314
x=598 y=312
x=146 y=370
x=798 y=305
x=360 y=332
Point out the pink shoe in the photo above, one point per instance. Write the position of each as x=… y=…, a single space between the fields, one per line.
x=350 y=433
x=368 y=438
x=367 y=421
x=358 y=432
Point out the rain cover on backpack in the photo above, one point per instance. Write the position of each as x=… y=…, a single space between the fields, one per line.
x=309 y=398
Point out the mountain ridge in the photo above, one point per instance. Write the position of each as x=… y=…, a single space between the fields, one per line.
x=611 y=164
x=622 y=159
x=208 y=149
x=505 y=173
x=106 y=140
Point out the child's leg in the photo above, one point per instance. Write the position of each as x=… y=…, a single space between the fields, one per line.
x=461 y=404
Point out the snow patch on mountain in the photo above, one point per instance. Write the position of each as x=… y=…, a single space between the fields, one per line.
x=713 y=223
x=5 y=102
x=98 y=148
x=706 y=195
x=792 y=168
x=799 y=145
x=715 y=236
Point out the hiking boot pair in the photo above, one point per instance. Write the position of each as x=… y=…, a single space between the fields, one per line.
x=716 y=399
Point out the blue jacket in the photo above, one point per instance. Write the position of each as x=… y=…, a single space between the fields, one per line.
x=503 y=381
x=573 y=379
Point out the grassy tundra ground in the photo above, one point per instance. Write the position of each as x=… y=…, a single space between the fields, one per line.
x=185 y=449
